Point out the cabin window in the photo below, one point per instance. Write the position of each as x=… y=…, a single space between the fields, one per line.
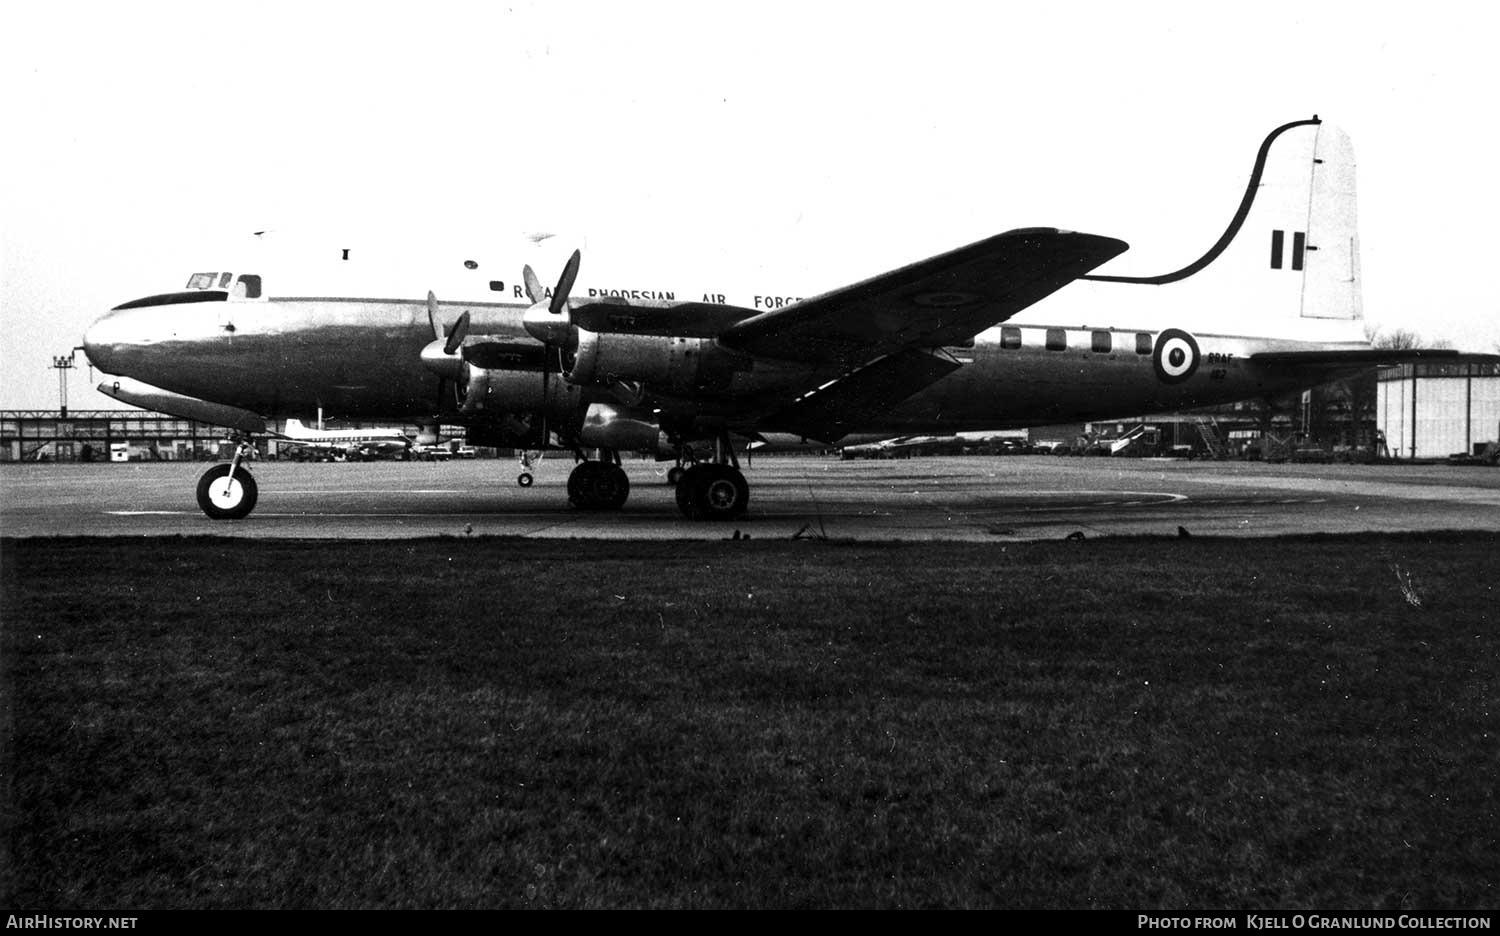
x=1057 y=339
x=1010 y=337
x=202 y=280
x=1101 y=342
x=248 y=287
x=1142 y=342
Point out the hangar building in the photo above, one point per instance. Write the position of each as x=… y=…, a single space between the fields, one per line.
x=1437 y=410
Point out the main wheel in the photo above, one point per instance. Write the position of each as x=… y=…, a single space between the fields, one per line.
x=674 y=475
x=581 y=484
x=227 y=498
x=713 y=492
x=524 y=479
x=597 y=486
x=686 y=485
x=612 y=488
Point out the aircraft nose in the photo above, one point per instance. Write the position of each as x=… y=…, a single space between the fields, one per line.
x=108 y=341
x=102 y=340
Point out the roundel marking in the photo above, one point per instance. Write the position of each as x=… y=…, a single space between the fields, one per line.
x=946 y=300
x=1176 y=356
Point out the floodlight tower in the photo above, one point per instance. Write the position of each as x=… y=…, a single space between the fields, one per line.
x=62 y=365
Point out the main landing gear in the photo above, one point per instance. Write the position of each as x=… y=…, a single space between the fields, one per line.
x=599 y=485
x=714 y=490
x=228 y=492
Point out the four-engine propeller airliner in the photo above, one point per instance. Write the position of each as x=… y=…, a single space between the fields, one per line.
x=347 y=443
x=939 y=346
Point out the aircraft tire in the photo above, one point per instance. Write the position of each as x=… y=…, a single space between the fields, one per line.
x=674 y=475
x=596 y=486
x=612 y=487
x=713 y=492
x=581 y=485
x=685 y=486
x=524 y=479
x=232 y=500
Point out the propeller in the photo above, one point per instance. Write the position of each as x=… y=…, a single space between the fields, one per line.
x=453 y=335
x=549 y=321
x=439 y=355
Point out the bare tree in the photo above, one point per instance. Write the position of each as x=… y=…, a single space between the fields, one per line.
x=1399 y=339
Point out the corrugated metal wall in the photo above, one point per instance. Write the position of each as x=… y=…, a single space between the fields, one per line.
x=1436 y=410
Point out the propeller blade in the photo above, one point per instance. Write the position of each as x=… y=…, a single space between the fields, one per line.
x=432 y=319
x=565 y=284
x=457 y=334
x=438 y=355
x=533 y=285
x=550 y=322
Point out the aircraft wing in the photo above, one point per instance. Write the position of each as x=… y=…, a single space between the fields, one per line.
x=828 y=412
x=943 y=300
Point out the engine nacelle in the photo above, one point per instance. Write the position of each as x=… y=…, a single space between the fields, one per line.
x=678 y=366
x=518 y=408
x=519 y=391
x=606 y=425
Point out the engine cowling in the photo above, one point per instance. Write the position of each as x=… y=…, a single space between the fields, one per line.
x=677 y=366
x=497 y=390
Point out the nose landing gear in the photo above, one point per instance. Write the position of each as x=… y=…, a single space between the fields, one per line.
x=228 y=492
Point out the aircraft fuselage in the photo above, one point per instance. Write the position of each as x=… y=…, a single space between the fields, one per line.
x=360 y=358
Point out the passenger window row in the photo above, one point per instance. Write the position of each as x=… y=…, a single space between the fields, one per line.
x=1056 y=339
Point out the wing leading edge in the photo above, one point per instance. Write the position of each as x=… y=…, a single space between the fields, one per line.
x=943 y=300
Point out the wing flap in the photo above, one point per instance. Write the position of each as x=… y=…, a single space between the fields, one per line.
x=827 y=413
x=943 y=300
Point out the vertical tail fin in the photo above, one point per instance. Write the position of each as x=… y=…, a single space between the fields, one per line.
x=1330 y=282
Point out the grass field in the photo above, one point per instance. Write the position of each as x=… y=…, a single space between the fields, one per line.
x=1147 y=725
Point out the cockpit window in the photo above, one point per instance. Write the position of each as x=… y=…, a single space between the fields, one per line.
x=202 y=280
x=224 y=280
x=248 y=286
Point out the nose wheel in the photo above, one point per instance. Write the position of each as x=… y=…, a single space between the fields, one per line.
x=227 y=492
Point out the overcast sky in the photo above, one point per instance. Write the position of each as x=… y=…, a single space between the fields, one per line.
x=822 y=142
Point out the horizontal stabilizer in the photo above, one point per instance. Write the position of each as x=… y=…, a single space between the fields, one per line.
x=1363 y=357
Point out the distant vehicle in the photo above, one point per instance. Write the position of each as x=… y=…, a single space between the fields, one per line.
x=443 y=451
x=962 y=443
